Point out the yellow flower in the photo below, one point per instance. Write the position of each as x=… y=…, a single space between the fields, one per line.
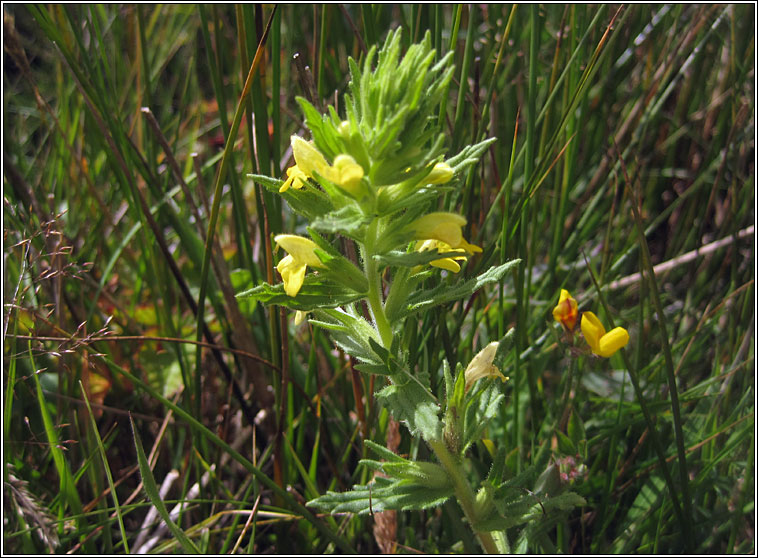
x=444 y=263
x=566 y=312
x=481 y=366
x=441 y=173
x=292 y=267
x=602 y=344
x=444 y=227
x=346 y=173
x=307 y=160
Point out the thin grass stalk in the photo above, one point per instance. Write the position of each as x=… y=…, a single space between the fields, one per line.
x=216 y=207
x=671 y=378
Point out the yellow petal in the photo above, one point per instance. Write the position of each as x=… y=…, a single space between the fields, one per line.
x=293 y=274
x=446 y=263
x=566 y=312
x=441 y=173
x=307 y=157
x=295 y=178
x=470 y=248
x=347 y=173
x=593 y=330
x=612 y=341
x=301 y=249
x=481 y=366
x=300 y=316
x=440 y=225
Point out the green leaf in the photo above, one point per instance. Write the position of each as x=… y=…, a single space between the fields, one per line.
x=481 y=408
x=349 y=221
x=352 y=334
x=414 y=405
x=308 y=201
x=445 y=293
x=565 y=444
x=316 y=292
x=383 y=494
x=414 y=258
x=151 y=488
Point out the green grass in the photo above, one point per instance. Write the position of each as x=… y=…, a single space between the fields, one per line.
x=625 y=144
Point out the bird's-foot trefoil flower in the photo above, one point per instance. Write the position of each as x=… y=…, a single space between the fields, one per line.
x=307 y=160
x=566 y=313
x=602 y=344
x=444 y=227
x=301 y=253
x=481 y=366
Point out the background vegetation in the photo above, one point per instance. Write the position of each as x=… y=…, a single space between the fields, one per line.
x=625 y=143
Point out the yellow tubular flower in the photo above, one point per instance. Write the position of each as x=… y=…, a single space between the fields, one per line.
x=481 y=366
x=566 y=312
x=602 y=344
x=307 y=160
x=444 y=227
x=292 y=267
x=346 y=173
x=444 y=263
x=441 y=173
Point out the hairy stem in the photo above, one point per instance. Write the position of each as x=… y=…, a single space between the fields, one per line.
x=375 y=285
x=463 y=492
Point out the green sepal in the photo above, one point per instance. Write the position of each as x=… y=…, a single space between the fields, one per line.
x=443 y=294
x=482 y=406
x=383 y=494
x=455 y=390
x=529 y=508
x=338 y=267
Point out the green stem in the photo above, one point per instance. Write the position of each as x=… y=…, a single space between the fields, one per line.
x=464 y=493
x=375 y=285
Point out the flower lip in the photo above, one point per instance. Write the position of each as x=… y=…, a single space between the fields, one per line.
x=301 y=253
x=444 y=227
x=481 y=366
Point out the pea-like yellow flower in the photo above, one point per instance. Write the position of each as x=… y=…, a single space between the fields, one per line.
x=444 y=263
x=441 y=173
x=602 y=344
x=481 y=366
x=444 y=227
x=301 y=253
x=307 y=160
x=566 y=312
